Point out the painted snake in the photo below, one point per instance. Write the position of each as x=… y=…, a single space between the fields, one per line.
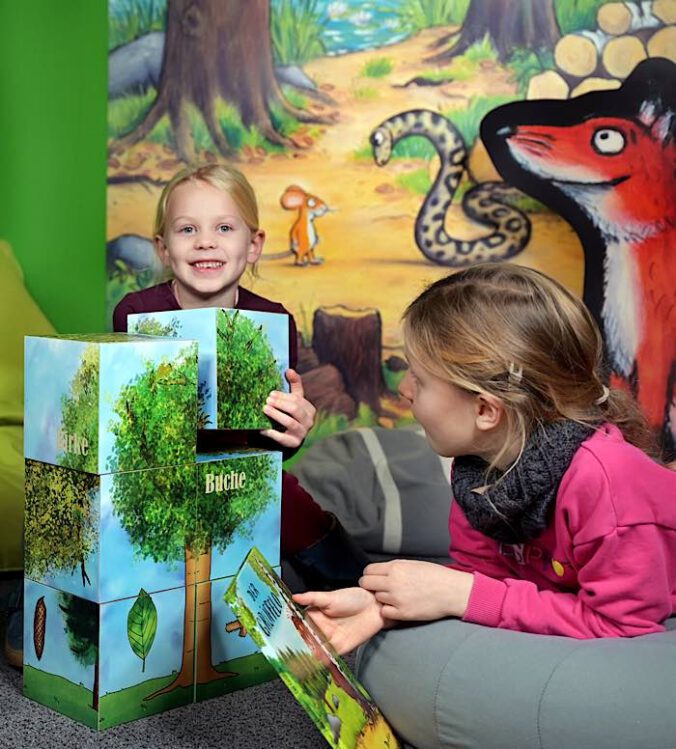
x=484 y=203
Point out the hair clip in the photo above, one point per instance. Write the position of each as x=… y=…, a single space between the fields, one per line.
x=605 y=394
x=515 y=372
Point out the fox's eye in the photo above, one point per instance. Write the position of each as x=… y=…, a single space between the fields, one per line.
x=609 y=141
x=311 y=202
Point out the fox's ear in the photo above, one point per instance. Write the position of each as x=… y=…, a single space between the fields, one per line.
x=662 y=129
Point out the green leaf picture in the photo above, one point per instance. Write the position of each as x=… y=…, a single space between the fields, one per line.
x=142 y=626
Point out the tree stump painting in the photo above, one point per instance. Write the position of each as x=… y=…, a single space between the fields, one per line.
x=351 y=340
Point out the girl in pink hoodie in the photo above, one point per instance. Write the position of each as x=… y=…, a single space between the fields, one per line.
x=563 y=521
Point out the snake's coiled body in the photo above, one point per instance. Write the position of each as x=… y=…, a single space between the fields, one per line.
x=484 y=203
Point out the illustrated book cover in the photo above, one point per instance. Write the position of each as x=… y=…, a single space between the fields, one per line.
x=317 y=677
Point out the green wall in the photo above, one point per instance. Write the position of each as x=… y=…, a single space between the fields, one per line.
x=53 y=79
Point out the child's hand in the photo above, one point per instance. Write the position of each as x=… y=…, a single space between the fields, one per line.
x=417 y=591
x=347 y=617
x=291 y=410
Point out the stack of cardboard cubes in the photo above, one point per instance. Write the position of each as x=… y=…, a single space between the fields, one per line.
x=131 y=536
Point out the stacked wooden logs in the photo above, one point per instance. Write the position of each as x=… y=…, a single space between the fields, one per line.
x=600 y=59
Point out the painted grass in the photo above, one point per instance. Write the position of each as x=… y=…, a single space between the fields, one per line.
x=366 y=93
x=60 y=694
x=129 y=19
x=377 y=68
x=128 y=704
x=574 y=15
x=250 y=669
x=296 y=31
x=126 y=113
x=418 y=182
x=415 y=15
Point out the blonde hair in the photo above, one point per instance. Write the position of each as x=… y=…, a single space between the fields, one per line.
x=519 y=335
x=222 y=177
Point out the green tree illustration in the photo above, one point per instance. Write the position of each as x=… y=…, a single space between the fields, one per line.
x=80 y=412
x=153 y=326
x=81 y=618
x=168 y=519
x=61 y=526
x=156 y=414
x=246 y=372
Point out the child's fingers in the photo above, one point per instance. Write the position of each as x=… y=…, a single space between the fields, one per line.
x=286 y=439
x=378 y=568
x=302 y=410
x=374 y=583
x=295 y=382
x=318 y=599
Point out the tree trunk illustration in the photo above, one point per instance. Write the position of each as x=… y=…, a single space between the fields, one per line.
x=217 y=50
x=351 y=340
x=95 y=688
x=527 y=24
x=196 y=628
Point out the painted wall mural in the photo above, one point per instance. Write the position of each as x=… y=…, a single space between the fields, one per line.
x=392 y=141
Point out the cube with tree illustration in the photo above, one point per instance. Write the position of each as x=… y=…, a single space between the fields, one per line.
x=242 y=357
x=128 y=540
x=110 y=403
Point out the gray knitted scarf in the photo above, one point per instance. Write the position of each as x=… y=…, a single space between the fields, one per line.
x=515 y=506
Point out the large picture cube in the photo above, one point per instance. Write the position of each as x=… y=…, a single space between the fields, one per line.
x=242 y=357
x=101 y=536
x=103 y=664
x=110 y=403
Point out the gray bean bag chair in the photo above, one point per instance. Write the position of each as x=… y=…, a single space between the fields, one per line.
x=451 y=684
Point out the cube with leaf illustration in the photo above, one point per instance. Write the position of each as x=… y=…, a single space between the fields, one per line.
x=103 y=664
x=242 y=357
x=107 y=403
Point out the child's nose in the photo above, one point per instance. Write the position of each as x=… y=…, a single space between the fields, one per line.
x=205 y=239
x=405 y=387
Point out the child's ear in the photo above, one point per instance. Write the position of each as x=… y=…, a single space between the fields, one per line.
x=161 y=249
x=256 y=248
x=489 y=412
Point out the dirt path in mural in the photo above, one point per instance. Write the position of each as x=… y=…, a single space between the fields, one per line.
x=367 y=239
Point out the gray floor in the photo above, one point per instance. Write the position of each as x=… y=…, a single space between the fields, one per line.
x=263 y=717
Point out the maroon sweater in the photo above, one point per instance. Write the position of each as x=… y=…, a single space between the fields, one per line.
x=161 y=298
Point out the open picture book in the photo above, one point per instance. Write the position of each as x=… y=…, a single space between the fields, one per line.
x=309 y=666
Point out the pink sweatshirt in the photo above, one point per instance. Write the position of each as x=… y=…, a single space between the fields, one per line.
x=605 y=566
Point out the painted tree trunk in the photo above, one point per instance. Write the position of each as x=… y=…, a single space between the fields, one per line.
x=216 y=51
x=196 y=666
x=528 y=24
x=95 y=690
